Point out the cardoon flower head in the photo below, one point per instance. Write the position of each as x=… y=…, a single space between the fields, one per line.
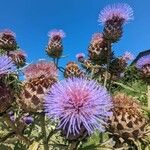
x=19 y=57
x=98 y=48
x=72 y=70
x=121 y=10
x=145 y=60
x=7 y=40
x=80 y=57
x=56 y=33
x=6 y=65
x=114 y=17
x=127 y=122
x=55 y=45
x=11 y=115
x=28 y=119
x=97 y=37
x=42 y=68
x=77 y=103
x=127 y=56
x=39 y=77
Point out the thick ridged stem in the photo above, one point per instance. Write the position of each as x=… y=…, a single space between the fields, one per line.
x=101 y=137
x=148 y=96
x=108 y=63
x=110 y=82
x=51 y=134
x=56 y=62
x=43 y=129
x=92 y=73
x=74 y=145
x=9 y=135
x=15 y=129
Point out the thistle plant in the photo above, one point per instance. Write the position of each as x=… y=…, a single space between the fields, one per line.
x=97 y=102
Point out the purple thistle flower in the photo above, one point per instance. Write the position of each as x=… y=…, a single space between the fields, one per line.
x=28 y=119
x=127 y=56
x=12 y=117
x=97 y=37
x=121 y=10
x=78 y=102
x=145 y=60
x=6 y=65
x=80 y=56
x=56 y=32
x=7 y=32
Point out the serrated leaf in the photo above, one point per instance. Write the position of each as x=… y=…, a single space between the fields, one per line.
x=34 y=146
x=128 y=88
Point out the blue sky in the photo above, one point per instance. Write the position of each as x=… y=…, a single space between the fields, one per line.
x=32 y=19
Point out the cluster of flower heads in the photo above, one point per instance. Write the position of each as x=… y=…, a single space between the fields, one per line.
x=76 y=102
x=9 y=47
x=6 y=65
x=122 y=11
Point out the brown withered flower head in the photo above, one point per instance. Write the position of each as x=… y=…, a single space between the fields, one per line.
x=127 y=124
x=39 y=77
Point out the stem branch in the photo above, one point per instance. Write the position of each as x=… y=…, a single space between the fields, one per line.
x=43 y=128
x=148 y=96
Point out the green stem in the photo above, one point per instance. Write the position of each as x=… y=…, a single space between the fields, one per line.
x=108 y=63
x=57 y=61
x=101 y=137
x=4 y=138
x=43 y=128
x=92 y=73
x=54 y=60
x=51 y=134
x=105 y=79
x=110 y=82
x=74 y=145
x=148 y=96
